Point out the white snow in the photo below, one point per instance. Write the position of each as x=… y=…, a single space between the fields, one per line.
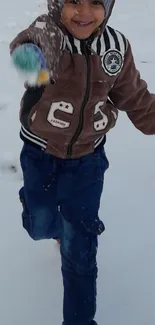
x=30 y=278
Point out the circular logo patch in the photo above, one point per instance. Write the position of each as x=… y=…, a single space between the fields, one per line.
x=112 y=62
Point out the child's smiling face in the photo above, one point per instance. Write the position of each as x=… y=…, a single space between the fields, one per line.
x=82 y=17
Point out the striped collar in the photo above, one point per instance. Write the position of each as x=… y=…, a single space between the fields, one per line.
x=109 y=40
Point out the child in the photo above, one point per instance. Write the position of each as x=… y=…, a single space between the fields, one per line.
x=79 y=72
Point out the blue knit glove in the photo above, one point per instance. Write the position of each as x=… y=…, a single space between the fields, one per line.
x=30 y=62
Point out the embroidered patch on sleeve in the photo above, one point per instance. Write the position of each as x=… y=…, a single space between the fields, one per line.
x=112 y=62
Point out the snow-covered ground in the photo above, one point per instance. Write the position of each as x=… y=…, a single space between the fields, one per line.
x=30 y=278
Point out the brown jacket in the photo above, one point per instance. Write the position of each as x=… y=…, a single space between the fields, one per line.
x=91 y=80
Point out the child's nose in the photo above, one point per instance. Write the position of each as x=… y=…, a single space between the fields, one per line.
x=84 y=8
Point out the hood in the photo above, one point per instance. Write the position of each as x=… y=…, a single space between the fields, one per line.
x=55 y=7
x=108 y=5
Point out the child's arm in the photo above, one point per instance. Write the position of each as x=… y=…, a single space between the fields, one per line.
x=130 y=94
x=47 y=37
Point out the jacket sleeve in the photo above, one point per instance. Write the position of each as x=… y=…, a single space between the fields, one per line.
x=130 y=94
x=44 y=33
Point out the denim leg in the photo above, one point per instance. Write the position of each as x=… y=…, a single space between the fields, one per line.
x=80 y=191
x=40 y=216
x=79 y=270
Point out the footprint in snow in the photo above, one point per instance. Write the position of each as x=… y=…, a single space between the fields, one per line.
x=3 y=106
x=9 y=165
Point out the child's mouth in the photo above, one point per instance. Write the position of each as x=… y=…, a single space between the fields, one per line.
x=82 y=23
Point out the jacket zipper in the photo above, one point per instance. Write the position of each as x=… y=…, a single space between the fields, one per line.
x=85 y=100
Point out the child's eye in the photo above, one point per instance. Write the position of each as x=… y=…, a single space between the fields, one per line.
x=74 y=2
x=97 y=2
x=94 y=2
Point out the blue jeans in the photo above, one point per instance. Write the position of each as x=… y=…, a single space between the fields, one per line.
x=61 y=199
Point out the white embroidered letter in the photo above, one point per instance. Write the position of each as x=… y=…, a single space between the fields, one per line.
x=102 y=123
x=61 y=106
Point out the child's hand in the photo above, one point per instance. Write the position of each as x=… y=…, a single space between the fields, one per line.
x=30 y=62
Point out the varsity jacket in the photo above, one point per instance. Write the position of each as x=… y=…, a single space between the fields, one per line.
x=90 y=81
